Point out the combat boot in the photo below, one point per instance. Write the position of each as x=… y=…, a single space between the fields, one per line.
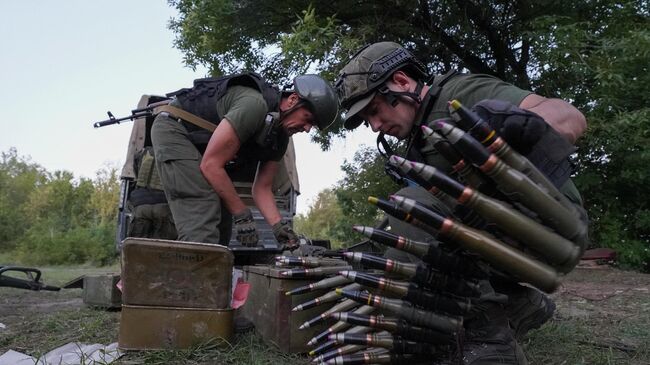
x=527 y=309
x=490 y=340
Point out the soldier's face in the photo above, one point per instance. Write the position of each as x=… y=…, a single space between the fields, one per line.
x=395 y=121
x=299 y=120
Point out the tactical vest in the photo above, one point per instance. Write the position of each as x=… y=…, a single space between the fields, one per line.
x=201 y=100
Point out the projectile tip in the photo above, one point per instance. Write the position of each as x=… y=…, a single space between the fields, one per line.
x=373 y=200
x=455 y=104
x=396 y=198
x=394 y=159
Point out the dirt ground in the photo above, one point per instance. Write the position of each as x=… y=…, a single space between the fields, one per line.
x=602 y=317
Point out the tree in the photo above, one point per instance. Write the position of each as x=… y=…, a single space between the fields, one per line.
x=324 y=220
x=592 y=53
x=280 y=39
x=53 y=218
x=602 y=65
x=364 y=177
x=19 y=177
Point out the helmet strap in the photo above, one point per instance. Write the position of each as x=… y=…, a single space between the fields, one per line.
x=393 y=96
x=284 y=113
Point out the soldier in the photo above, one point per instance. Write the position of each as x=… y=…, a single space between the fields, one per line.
x=385 y=86
x=255 y=121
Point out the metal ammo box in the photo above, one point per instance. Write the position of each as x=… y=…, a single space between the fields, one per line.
x=102 y=291
x=175 y=294
x=146 y=327
x=176 y=274
x=269 y=308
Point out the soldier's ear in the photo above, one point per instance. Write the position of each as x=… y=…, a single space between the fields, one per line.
x=401 y=80
x=293 y=100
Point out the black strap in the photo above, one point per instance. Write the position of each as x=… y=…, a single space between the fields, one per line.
x=415 y=142
x=414 y=139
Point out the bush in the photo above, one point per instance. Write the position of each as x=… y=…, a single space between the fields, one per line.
x=42 y=245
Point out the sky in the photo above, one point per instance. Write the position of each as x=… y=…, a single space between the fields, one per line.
x=63 y=64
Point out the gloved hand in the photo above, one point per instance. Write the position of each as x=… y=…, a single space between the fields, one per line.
x=522 y=129
x=245 y=228
x=285 y=234
x=530 y=135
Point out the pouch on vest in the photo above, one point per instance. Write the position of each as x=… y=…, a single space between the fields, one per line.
x=147 y=172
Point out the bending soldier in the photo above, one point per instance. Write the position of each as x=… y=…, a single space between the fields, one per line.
x=254 y=123
x=385 y=86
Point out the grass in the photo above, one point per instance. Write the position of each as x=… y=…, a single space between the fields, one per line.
x=247 y=348
x=615 y=330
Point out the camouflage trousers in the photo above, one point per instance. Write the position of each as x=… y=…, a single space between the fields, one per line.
x=196 y=207
x=152 y=221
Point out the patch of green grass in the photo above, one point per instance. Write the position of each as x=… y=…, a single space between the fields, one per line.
x=579 y=341
x=43 y=332
x=246 y=348
x=6 y=258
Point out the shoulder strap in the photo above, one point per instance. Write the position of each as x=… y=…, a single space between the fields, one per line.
x=186 y=116
x=436 y=87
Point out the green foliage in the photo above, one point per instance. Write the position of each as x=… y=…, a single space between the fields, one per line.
x=324 y=220
x=594 y=54
x=53 y=218
x=601 y=62
x=281 y=39
x=43 y=244
x=18 y=179
x=334 y=212
x=364 y=177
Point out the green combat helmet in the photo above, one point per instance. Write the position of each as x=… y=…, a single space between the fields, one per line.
x=366 y=74
x=321 y=98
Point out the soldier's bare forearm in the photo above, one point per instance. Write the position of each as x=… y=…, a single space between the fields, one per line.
x=559 y=114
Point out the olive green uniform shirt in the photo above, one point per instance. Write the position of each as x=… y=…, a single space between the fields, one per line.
x=245 y=110
x=469 y=89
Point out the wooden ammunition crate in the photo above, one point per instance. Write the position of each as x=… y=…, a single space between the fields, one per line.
x=143 y=328
x=270 y=309
x=176 y=274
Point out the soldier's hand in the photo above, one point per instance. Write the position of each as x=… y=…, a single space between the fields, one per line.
x=245 y=228
x=285 y=234
x=522 y=129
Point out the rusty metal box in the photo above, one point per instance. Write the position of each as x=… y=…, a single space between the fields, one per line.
x=269 y=309
x=102 y=291
x=176 y=274
x=143 y=328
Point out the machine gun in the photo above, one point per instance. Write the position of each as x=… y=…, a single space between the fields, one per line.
x=135 y=114
x=31 y=283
